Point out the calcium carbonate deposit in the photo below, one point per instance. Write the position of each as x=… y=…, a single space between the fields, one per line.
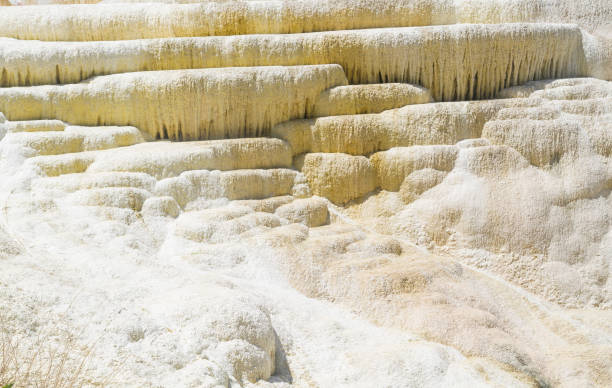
x=306 y=193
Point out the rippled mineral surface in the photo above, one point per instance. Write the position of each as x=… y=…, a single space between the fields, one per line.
x=306 y=193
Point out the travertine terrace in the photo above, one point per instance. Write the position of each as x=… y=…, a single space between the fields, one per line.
x=306 y=193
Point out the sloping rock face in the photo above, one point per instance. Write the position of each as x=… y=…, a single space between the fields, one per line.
x=308 y=193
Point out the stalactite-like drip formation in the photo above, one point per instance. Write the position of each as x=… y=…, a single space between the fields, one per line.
x=182 y=104
x=454 y=62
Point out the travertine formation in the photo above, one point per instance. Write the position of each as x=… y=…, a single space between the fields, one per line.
x=308 y=193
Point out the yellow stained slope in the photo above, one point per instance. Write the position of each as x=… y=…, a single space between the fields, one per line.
x=137 y=21
x=96 y=22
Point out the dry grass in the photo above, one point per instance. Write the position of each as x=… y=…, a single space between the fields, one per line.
x=44 y=360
